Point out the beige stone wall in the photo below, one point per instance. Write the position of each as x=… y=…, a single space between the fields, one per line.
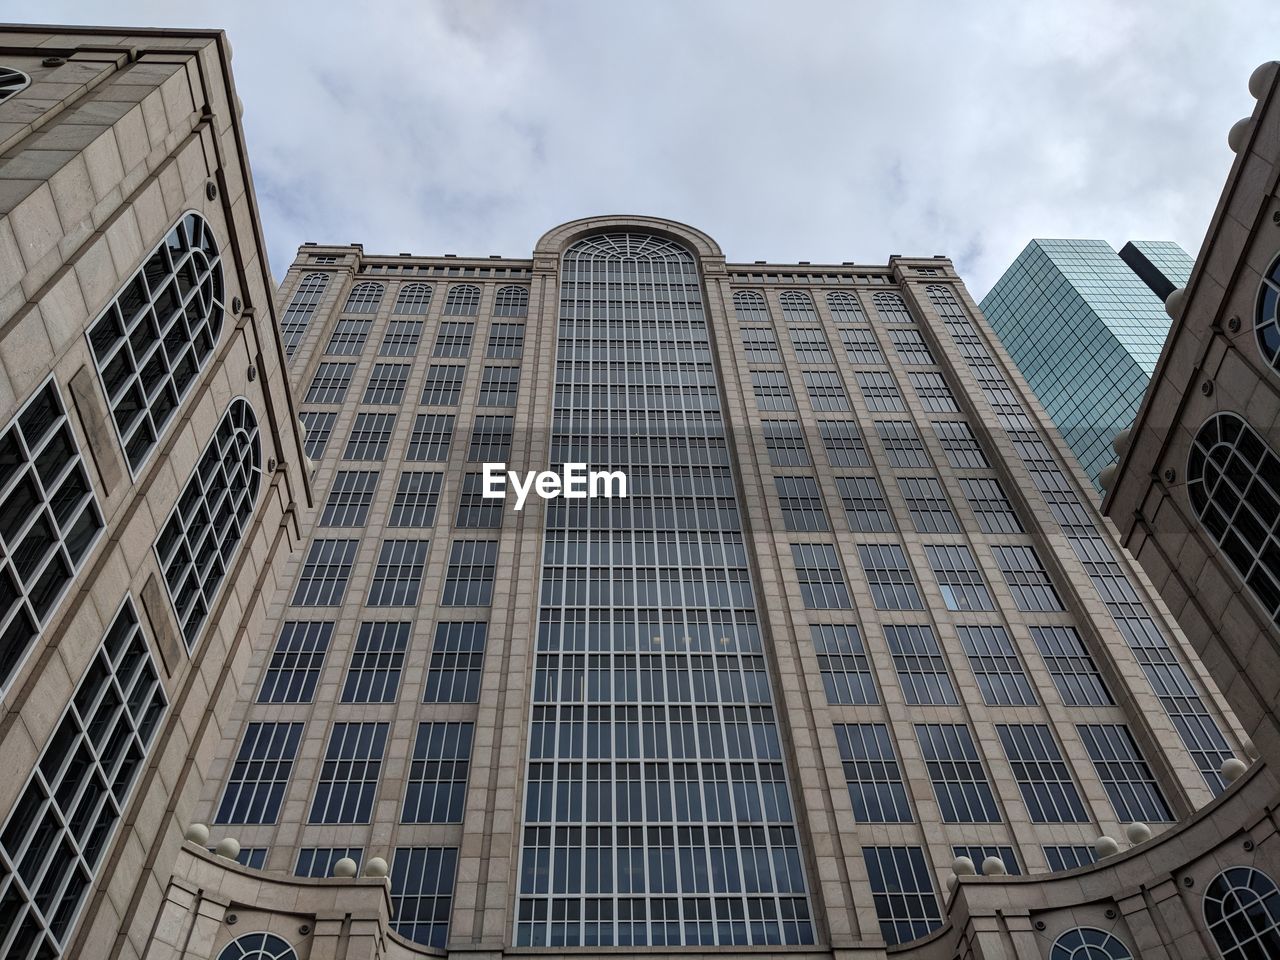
x=99 y=158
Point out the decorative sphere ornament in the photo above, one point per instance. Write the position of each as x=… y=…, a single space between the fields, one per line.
x=198 y=833
x=345 y=868
x=1235 y=136
x=376 y=867
x=228 y=847
x=1173 y=302
x=1233 y=769
x=1260 y=77
x=963 y=867
x=1137 y=833
x=1105 y=847
x=993 y=867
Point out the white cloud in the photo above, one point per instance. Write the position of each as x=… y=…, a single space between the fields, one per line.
x=815 y=131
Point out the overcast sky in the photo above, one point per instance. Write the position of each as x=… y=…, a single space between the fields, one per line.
x=787 y=130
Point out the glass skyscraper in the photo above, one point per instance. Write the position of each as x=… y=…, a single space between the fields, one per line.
x=1085 y=326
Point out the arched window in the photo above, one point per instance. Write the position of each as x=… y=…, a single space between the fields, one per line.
x=511 y=302
x=845 y=307
x=198 y=542
x=1242 y=911
x=797 y=307
x=1089 y=943
x=297 y=316
x=749 y=306
x=364 y=298
x=11 y=82
x=463 y=300
x=158 y=333
x=413 y=299
x=1266 y=318
x=1233 y=481
x=258 y=946
x=892 y=308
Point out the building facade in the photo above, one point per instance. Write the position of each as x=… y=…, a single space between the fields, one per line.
x=856 y=618
x=152 y=473
x=1085 y=327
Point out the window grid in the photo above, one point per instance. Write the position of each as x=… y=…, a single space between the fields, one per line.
x=417 y=496
x=749 y=307
x=902 y=890
x=499 y=386
x=198 y=543
x=511 y=301
x=845 y=307
x=1072 y=668
x=373 y=676
x=155 y=337
x=506 y=341
x=811 y=346
x=397 y=578
x=422 y=893
x=61 y=825
x=402 y=338
x=911 y=347
x=294 y=668
x=432 y=434
x=469 y=577
x=864 y=505
x=959 y=781
x=760 y=345
x=457 y=657
x=860 y=346
x=349 y=498
x=1242 y=912
x=921 y=667
x=872 y=773
x=348 y=337
x=979 y=855
x=370 y=436
x=318 y=425
x=843 y=663
x=960 y=445
x=1030 y=584
x=891 y=308
x=443 y=386
x=819 y=576
x=889 y=577
x=330 y=383
x=801 y=503
x=260 y=773
x=934 y=394
x=772 y=390
x=325 y=573
x=49 y=521
x=453 y=339
x=318 y=862
x=386 y=383
x=797 y=307
x=784 y=441
x=1124 y=773
x=349 y=773
x=463 y=300
x=927 y=504
x=475 y=510
x=1042 y=775
x=996 y=666
x=902 y=445
x=880 y=391
x=436 y=789
x=826 y=391
x=1068 y=856
x=490 y=439
x=843 y=443
x=364 y=298
x=413 y=300
x=990 y=505
x=958 y=576
x=297 y=316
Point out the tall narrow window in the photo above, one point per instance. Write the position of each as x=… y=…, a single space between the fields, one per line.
x=463 y=300
x=1233 y=481
x=457 y=656
x=843 y=663
x=902 y=891
x=198 y=543
x=437 y=786
x=49 y=520
x=297 y=316
x=872 y=773
x=422 y=893
x=61 y=825
x=156 y=336
x=1124 y=773
x=260 y=773
x=294 y=668
x=377 y=662
x=349 y=774
x=1043 y=776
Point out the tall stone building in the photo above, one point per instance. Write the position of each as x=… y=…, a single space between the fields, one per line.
x=151 y=468
x=1085 y=327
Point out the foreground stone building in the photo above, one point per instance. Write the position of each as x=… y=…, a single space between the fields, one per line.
x=856 y=627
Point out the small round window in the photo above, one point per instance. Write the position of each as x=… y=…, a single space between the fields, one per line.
x=1089 y=943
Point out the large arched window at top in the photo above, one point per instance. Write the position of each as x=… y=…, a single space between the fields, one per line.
x=463 y=300
x=1266 y=318
x=413 y=300
x=845 y=307
x=1242 y=912
x=297 y=316
x=891 y=308
x=511 y=301
x=749 y=307
x=157 y=334
x=1233 y=482
x=12 y=81
x=364 y=298
x=797 y=307
x=199 y=541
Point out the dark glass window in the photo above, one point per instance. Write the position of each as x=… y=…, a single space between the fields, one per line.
x=437 y=786
x=349 y=773
x=872 y=773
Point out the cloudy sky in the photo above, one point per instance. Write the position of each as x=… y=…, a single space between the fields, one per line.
x=787 y=130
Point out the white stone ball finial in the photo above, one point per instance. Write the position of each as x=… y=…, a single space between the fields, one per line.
x=1137 y=832
x=993 y=867
x=963 y=867
x=1173 y=302
x=376 y=867
x=1105 y=847
x=952 y=882
x=1107 y=475
x=198 y=833
x=1120 y=442
x=1250 y=749
x=1260 y=77
x=1232 y=769
x=1236 y=135
x=228 y=847
x=345 y=868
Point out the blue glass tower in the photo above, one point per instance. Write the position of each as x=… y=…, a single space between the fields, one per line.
x=1085 y=326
